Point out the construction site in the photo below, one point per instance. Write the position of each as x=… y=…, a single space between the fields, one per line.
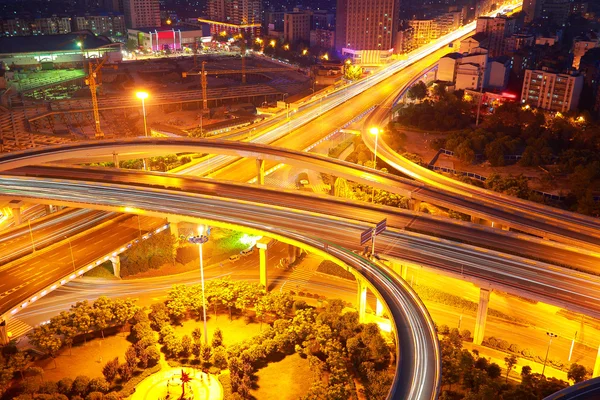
x=183 y=94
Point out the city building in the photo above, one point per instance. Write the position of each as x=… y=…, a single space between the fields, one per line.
x=141 y=13
x=447 y=67
x=497 y=29
x=423 y=31
x=108 y=24
x=405 y=42
x=296 y=27
x=517 y=42
x=56 y=51
x=474 y=43
x=366 y=29
x=323 y=38
x=532 y=9
x=551 y=91
x=446 y=23
x=589 y=67
x=582 y=44
x=556 y=11
x=471 y=71
x=274 y=20
x=173 y=39
x=498 y=72
x=322 y=19
x=234 y=17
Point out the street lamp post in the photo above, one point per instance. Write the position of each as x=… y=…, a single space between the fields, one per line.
x=552 y=335
x=143 y=96
x=71 y=249
x=200 y=240
x=374 y=131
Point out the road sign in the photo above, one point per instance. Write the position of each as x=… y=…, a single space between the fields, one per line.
x=366 y=236
x=380 y=227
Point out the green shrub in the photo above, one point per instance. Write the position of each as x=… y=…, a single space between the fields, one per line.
x=331 y=268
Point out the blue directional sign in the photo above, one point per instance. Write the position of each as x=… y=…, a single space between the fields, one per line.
x=380 y=227
x=366 y=236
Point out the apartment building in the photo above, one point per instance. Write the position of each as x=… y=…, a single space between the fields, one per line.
x=551 y=91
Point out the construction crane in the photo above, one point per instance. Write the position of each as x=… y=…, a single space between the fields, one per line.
x=203 y=73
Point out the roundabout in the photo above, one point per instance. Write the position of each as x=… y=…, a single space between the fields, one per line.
x=179 y=383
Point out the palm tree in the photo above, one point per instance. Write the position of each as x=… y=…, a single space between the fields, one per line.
x=185 y=378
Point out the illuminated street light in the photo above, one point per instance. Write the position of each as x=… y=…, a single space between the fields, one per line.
x=374 y=131
x=259 y=40
x=552 y=335
x=304 y=52
x=143 y=96
x=286 y=46
x=71 y=248
x=80 y=44
x=325 y=57
x=200 y=240
x=581 y=119
x=272 y=43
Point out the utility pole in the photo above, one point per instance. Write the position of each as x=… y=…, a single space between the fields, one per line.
x=481 y=77
x=204 y=84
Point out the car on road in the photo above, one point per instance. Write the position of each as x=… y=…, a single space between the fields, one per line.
x=302 y=180
x=248 y=251
x=234 y=257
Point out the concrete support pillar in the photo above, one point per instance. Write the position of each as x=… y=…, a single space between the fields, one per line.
x=49 y=209
x=361 y=301
x=332 y=187
x=379 y=308
x=505 y=227
x=597 y=365
x=116 y=263
x=174 y=228
x=400 y=269
x=4 y=339
x=116 y=160
x=298 y=252
x=482 y=309
x=415 y=204
x=475 y=220
x=262 y=255
x=291 y=253
x=260 y=171
x=15 y=206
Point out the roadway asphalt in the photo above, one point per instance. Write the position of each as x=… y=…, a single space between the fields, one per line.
x=28 y=275
x=548 y=283
x=20 y=241
x=462 y=232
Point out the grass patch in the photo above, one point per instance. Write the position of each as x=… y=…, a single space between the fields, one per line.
x=86 y=359
x=234 y=332
x=331 y=268
x=104 y=270
x=288 y=379
x=427 y=293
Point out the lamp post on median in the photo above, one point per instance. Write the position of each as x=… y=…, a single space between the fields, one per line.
x=374 y=131
x=552 y=335
x=31 y=235
x=71 y=249
x=200 y=240
x=143 y=96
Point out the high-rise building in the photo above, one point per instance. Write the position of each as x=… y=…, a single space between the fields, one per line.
x=141 y=13
x=423 y=31
x=51 y=26
x=296 y=27
x=497 y=29
x=366 y=29
x=532 y=9
x=556 y=11
x=582 y=44
x=551 y=91
x=237 y=12
x=108 y=24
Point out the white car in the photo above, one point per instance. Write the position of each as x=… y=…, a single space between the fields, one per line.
x=234 y=257
x=248 y=251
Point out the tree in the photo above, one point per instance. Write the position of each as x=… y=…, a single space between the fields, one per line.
x=186 y=346
x=510 y=362
x=577 y=373
x=353 y=72
x=131 y=357
x=217 y=339
x=44 y=338
x=131 y=45
x=159 y=316
x=153 y=356
x=19 y=362
x=63 y=325
x=123 y=311
x=125 y=372
x=111 y=369
x=494 y=370
x=418 y=91
x=98 y=385
x=80 y=385
x=64 y=385
x=81 y=317
x=102 y=314
x=197 y=335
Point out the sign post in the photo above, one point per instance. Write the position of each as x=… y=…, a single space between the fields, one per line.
x=370 y=234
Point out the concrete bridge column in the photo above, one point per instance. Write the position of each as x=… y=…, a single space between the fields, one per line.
x=4 y=339
x=361 y=301
x=475 y=220
x=260 y=171
x=116 y=264
x=379 y=308
x=291 y=253
x=400 y=269
x=332 y=187
x=482 y=309
x=597 y=365
x=116 y=160
x=15 y=206
x=263 y=246
x=49 y=209
x=174 y=228
x=414 y=204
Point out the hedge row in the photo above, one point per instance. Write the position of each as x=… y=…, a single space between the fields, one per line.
x=331 y=268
